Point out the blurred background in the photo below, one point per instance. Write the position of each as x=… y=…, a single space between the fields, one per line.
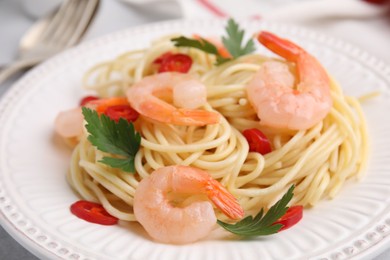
x=365 y=24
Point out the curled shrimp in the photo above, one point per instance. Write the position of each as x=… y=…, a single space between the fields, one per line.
x=154 y=205
x=272 y=93
x=188 y=94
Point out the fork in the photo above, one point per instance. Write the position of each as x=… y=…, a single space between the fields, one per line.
x=59 y=30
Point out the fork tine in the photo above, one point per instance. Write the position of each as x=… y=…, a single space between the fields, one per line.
x=70 y=22
x=67 y=17
x=85 y=21
x=73 y=23
x=56 y=23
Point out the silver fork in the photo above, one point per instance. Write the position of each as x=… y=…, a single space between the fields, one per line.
x=57 y=31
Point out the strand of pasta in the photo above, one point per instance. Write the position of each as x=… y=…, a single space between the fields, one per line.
x=76 y=177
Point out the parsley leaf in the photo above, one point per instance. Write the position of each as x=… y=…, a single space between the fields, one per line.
x=201 y=44
x=233 y=41
x=117 y=138
x=261 y=225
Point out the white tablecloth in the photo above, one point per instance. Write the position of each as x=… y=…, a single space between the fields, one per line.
x=364 y=25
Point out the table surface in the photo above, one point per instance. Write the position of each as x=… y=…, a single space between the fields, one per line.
x=14 y=22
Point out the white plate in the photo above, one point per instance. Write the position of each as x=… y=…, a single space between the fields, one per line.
x=35 y=198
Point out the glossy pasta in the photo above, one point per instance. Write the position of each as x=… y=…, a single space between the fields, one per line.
x=317 y=160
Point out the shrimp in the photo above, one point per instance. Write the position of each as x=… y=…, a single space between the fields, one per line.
x=69 y=123
x=188 y=94
x=272 y=93
x=155 y=210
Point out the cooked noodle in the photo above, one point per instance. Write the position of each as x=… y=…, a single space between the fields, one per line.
x=317 y=160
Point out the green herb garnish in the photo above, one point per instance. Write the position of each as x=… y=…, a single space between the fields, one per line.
x=233 y=43
x=201 y=44
x=118 y=138
x=261 y=225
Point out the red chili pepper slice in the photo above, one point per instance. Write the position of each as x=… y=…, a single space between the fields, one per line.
x=121 y=111
x=87 y=99
x=92 y=212
x=293 y=215
x=257 y=141
x=176 y=63
x=162 y=57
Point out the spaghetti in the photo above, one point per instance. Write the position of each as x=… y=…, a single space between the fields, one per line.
x=317 y=160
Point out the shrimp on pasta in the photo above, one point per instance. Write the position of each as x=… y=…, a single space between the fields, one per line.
x=272 y=93
x=187 y=93
x=213 y=137
x=154 y=202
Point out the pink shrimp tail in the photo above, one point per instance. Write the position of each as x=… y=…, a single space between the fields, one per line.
x=280 y=46
x=194 y=117
x=224 y=200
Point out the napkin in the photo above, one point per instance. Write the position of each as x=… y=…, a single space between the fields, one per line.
x=290 y=10
x=359 y=22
